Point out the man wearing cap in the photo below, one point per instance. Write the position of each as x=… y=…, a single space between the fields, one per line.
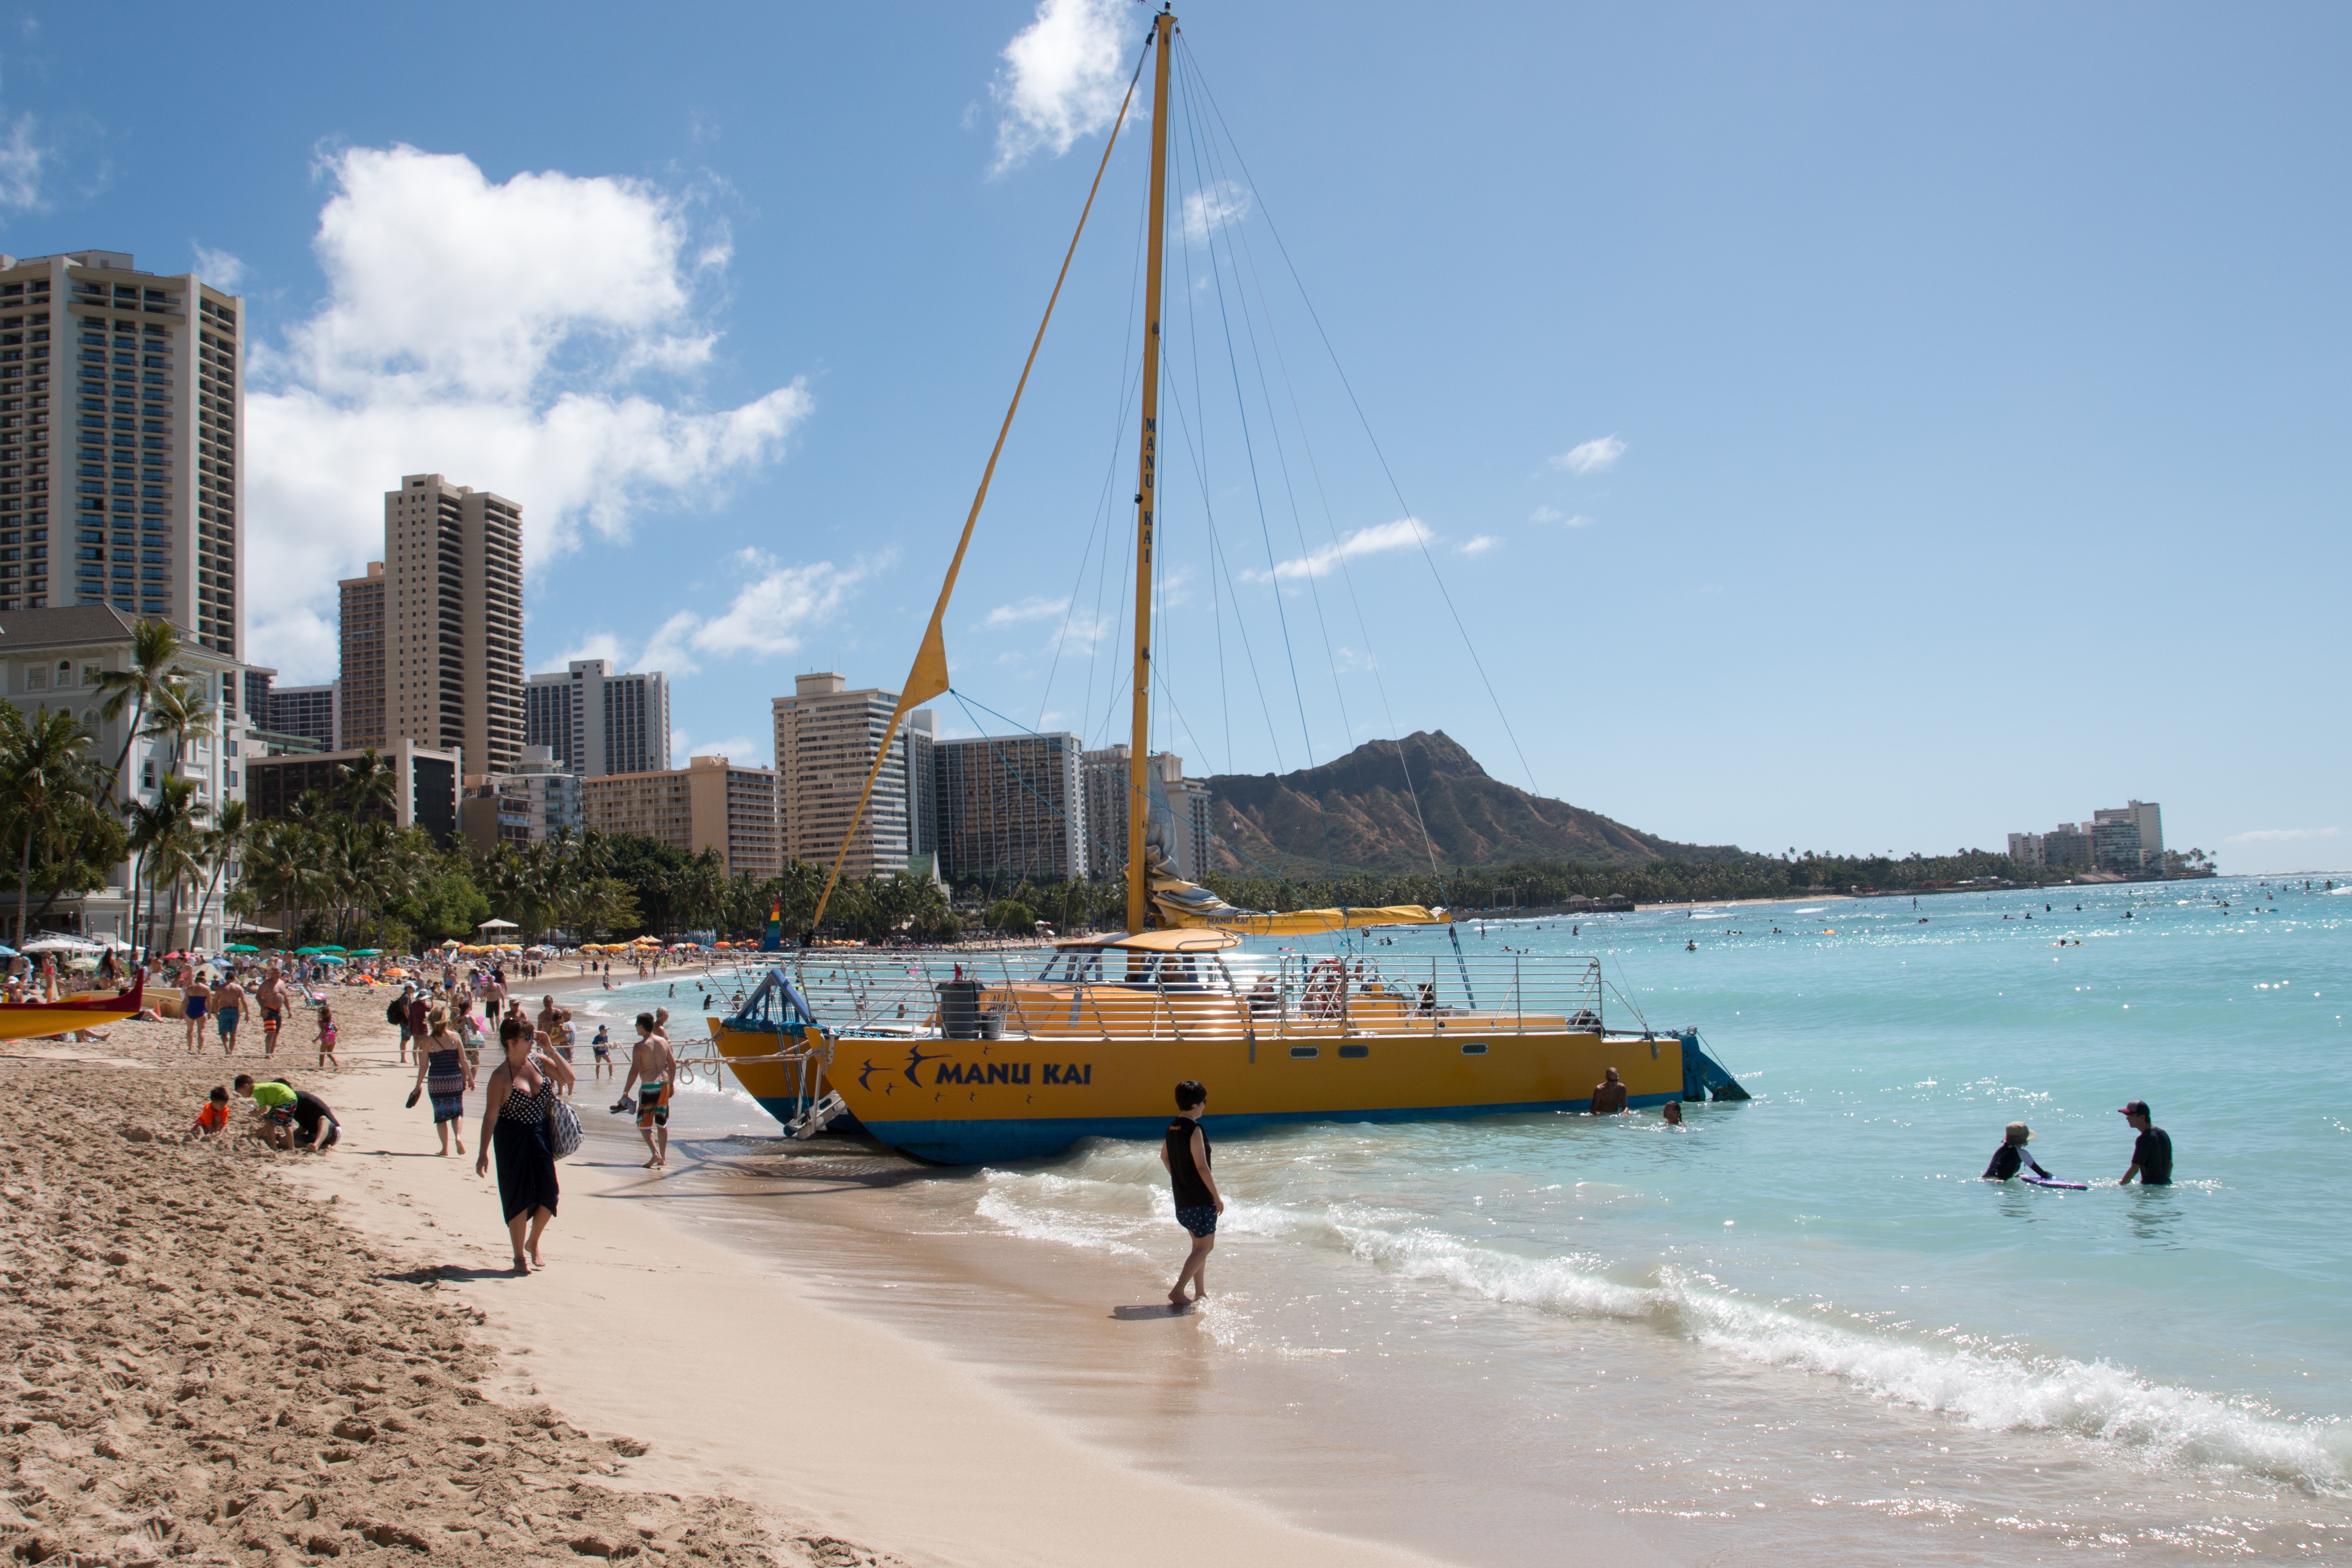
x=2151 y=1151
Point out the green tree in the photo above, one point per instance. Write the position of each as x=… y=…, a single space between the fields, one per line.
x=44 y=764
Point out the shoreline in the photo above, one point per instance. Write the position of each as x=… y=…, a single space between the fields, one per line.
x=747 y=1387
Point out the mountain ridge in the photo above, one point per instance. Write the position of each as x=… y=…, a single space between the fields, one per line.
x=1356 y=815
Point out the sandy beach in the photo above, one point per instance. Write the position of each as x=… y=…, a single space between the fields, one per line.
x=222 y=1353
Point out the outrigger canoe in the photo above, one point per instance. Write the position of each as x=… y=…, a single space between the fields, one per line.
x=36 y=1020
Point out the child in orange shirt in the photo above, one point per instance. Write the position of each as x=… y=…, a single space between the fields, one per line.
x=214 y=1117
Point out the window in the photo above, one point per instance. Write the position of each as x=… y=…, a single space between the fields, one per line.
x=89 y=673
x=36 y=678
x=65 y=673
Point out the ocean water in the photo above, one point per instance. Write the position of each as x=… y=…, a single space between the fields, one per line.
x=1804 y=1323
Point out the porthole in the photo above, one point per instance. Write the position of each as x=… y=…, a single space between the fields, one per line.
x=1355 y=1050
x=1474 y=1048
x=1304 y=1051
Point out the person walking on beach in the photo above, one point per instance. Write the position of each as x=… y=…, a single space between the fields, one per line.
x=327 y=1037
x=2151 y=1151
x=444 y=1072
x=1608 y=1095
x=228 y=1000
x=602 y=1046
x=271 y=996
x=1185 y=1151
x=555 y=1022
x=194 y=997
x=515 y=1111
x=2011 y=1159
x=650 y=1066
x=397 y=1015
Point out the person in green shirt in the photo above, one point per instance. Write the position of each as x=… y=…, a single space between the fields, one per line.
x=289 y=1118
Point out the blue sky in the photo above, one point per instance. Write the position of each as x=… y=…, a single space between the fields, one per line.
x=1845 y=428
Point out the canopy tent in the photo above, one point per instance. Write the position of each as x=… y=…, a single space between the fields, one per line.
x=498 y=925
x=107 y=939
x=58 y=942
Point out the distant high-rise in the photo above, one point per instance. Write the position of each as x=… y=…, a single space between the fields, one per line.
x=305 y=711
x=825 y=741
x=596 y=722
x=452 y=621
x=363 y=650
x=710 y=804
x=141 y=509
x=1011 y=806
x=1107 y=787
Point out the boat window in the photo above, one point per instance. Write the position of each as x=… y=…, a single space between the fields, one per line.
x=1355 y=1050
x=1474 y=1048
x=1304 y=1051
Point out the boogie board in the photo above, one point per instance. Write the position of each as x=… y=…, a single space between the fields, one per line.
x=2061 y=1187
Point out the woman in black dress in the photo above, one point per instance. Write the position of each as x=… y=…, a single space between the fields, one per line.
x=514 y=1126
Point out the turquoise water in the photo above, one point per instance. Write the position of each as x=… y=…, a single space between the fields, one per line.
x=1810 y=1301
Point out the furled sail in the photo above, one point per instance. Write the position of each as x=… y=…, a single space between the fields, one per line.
x=1179 y=903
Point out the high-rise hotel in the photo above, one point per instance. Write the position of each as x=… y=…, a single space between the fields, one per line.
x=121 y=425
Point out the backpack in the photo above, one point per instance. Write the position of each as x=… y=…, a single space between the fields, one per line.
x=562 y=1130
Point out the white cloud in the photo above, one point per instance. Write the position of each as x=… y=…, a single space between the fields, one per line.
x=771 y=613
x=491 y=333
x=1064 y=76
x=734 y=747
x=1026 y=610
x=1546 y=514
x=2284 y=834
x=1403 y=534
x=1594 y=456
x=595 y=645
x=219 y=267
x=1481 y=544
x=21 y=159
x=1206 y=211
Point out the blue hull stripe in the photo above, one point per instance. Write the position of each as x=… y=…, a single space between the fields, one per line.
x=977 y=1142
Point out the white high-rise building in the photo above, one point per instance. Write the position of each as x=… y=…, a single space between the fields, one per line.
x=121 y=421
x=596 y=722
x=826 y=740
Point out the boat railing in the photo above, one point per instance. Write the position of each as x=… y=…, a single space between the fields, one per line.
x=1108 y=994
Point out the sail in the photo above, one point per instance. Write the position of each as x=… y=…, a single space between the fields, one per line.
x=1182 y=904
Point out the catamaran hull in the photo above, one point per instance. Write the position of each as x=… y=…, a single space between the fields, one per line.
x=969 y=1102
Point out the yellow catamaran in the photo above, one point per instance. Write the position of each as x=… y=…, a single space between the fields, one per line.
x=964 y=1058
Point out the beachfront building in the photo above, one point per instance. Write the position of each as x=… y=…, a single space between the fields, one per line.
x=2025 y=849
x=529 y=805
x=50 y=661
x=594 y=721
x=1108 y=787
x=2147 y=821
x=452 y=621
x=2114 y=843
x=424 y=780
x=827 y=738
x=122 y=414
x=1011 y=806
x=2066 y=847
x=360 y=718
x=710 y=804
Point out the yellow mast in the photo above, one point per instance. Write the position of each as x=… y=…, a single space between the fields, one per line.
x=1138 y=765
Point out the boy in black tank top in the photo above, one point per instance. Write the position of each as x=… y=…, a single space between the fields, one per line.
x=1185 y=1153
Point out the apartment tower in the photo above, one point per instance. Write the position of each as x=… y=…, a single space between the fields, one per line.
x=364 y=649
x=826 y=737
x=596 y=722
x=122 y=418
x=452 y=621
x=710 y=804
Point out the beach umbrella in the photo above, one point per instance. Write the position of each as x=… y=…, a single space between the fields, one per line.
x=367 y=953
x=329 y=947
x=239 y=947
x=331 y=958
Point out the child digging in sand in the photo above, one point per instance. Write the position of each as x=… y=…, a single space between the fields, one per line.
x=214 y=1117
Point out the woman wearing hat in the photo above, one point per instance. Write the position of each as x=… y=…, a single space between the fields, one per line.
x=2012 y=1158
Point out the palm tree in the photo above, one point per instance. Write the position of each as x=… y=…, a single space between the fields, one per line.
x=369 y=781
x=222 y=843
x=178 y=708
x=44 y=761
x=154 y=645
x=166 y=834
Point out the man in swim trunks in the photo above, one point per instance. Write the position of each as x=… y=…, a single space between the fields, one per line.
x=1608 y=1095
x=650 y=1066
x=602 y=1045
x=229 y=997
x=271 y=996
x=555 y=1022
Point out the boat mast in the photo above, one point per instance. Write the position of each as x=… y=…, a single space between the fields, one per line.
x=1139 y=762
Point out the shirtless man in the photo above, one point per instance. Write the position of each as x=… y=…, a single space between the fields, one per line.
x=650 y=1066
x=271 y=996
x=1608 y=1095
x=228 y=1009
